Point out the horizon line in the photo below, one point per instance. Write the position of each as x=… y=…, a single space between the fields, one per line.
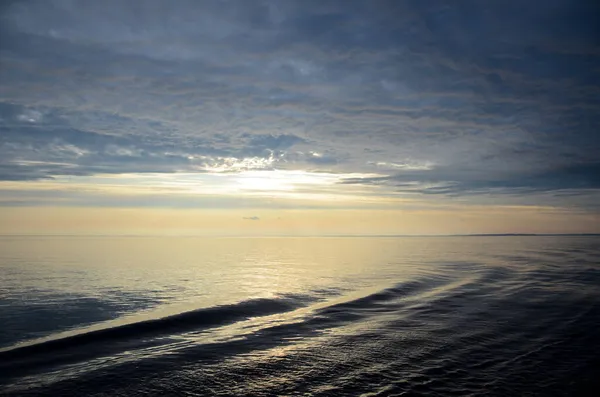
x=307 y=235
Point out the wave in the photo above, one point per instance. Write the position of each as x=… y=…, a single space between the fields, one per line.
x=458 y=328
x=142 y=333
x=151 y=333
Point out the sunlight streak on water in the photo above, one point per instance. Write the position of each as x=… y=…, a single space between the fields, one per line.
x=287 y=316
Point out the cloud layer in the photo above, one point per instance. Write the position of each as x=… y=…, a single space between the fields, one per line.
x=496 y=98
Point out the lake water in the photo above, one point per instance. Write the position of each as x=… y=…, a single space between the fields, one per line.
x=436 y=316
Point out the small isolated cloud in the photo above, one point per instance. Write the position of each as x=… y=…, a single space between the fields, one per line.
x=30 y=116
x=251 y=218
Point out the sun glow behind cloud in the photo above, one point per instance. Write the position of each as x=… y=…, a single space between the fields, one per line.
x=296 y=185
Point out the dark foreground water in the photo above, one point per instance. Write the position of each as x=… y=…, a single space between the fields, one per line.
x=505 y=316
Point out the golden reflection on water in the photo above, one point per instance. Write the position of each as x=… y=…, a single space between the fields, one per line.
x=172 y=275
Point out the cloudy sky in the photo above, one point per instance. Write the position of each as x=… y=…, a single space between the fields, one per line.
x=299 y=116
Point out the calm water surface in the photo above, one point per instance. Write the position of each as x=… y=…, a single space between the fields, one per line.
x=299 y=316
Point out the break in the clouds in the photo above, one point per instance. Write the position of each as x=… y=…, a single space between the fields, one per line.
x=461 y=99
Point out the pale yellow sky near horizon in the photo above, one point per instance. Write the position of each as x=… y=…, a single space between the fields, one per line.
x=159 y=221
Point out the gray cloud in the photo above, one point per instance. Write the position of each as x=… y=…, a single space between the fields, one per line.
x=439 y=97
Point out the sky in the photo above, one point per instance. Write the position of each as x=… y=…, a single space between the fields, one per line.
x=299 y=117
